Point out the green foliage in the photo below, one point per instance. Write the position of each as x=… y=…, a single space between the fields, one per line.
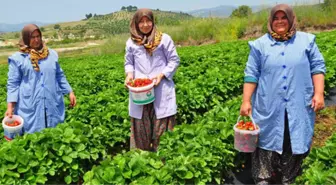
x=129 y=8
x=241 y=11
x=329 y=5
x=320 y=166
x=88 y=16
x=193 y=154
x=57 y=26
x=208 y=84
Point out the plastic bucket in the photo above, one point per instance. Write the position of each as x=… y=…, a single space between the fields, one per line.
x=12 y=129
x=246 y=140
x=142 y=95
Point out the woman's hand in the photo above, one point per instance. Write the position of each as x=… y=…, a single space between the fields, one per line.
x=72 y=98
x=129 y=78
x=10 y=108
x=158 y=79
x=318 y=102
x=246 y=108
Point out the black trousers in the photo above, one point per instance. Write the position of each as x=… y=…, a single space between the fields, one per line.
x=267 y=165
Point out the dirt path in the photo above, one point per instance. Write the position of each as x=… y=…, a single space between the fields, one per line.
x=90 y=44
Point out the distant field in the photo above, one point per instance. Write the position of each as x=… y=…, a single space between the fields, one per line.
x=112 y=30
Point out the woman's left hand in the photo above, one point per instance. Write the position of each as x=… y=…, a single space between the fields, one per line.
x=158 y=79
x=318 y=102
x=72 y=98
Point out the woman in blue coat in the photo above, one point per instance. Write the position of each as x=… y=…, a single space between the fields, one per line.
x=284 y=77
x=36 y=84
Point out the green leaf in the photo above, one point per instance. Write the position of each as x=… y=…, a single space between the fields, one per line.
x=12 y=166
x=155 y=164
x=80 y=147
x=33 y=163
x=73 y=154
x=96 y=182
x=88 y=176
x=2 y=172
x=23 y=169
x=52 y=172
x=189 y=175
x=23 y=159
x=75 y=167
x=12 y=174
x=10 y=158
x=84 y=155
x=217 y=179
x=127 y=174
x=68 y=179
x=94 y=156
x=68 y=133
x=121 y=163
x=67 y=159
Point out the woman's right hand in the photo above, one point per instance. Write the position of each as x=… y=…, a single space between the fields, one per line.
x=246 y=109
x=9 y=111
x=129 y=78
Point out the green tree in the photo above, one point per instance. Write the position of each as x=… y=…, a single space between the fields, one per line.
x=17 y=35
x=55 y=35
x=131 y=8
x=88 y=16
x=241 y=11
x=42 y=29
x=123 y=8
x=57 y=26
x=329 y=4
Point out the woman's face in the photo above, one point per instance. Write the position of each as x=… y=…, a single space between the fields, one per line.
x=35 y=40
x=145 y=25
x=280 y=23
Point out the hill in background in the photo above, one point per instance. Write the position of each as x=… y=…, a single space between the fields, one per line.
x=17 y=27
x=99 y=26
x=221 y=11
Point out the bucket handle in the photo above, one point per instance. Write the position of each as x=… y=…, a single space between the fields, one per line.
x=255 y=125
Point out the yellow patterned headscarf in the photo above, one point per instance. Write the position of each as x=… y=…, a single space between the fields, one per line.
x=35 y=55
x=150 y=41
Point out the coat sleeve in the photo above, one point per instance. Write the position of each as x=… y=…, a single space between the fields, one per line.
x=252 y=69
x=61 y=79
x=129 y=58
x=172 y=57
x=316 y=60
x=14 y=80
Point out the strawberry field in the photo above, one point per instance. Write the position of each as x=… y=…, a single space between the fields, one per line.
x=92 y=146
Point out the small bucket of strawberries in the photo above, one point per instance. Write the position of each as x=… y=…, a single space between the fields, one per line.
x=246 y=135
x=141 y=91
x=12 y=124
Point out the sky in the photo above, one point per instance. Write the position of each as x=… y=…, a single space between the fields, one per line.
x=53 y=11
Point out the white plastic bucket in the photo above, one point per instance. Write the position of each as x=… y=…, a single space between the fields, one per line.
x=142 y=95
x=246 y=140
x=12 y=129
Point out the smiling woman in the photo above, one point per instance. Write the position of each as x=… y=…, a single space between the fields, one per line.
x=285 y=74
x=280 y=23
x=151 y=54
